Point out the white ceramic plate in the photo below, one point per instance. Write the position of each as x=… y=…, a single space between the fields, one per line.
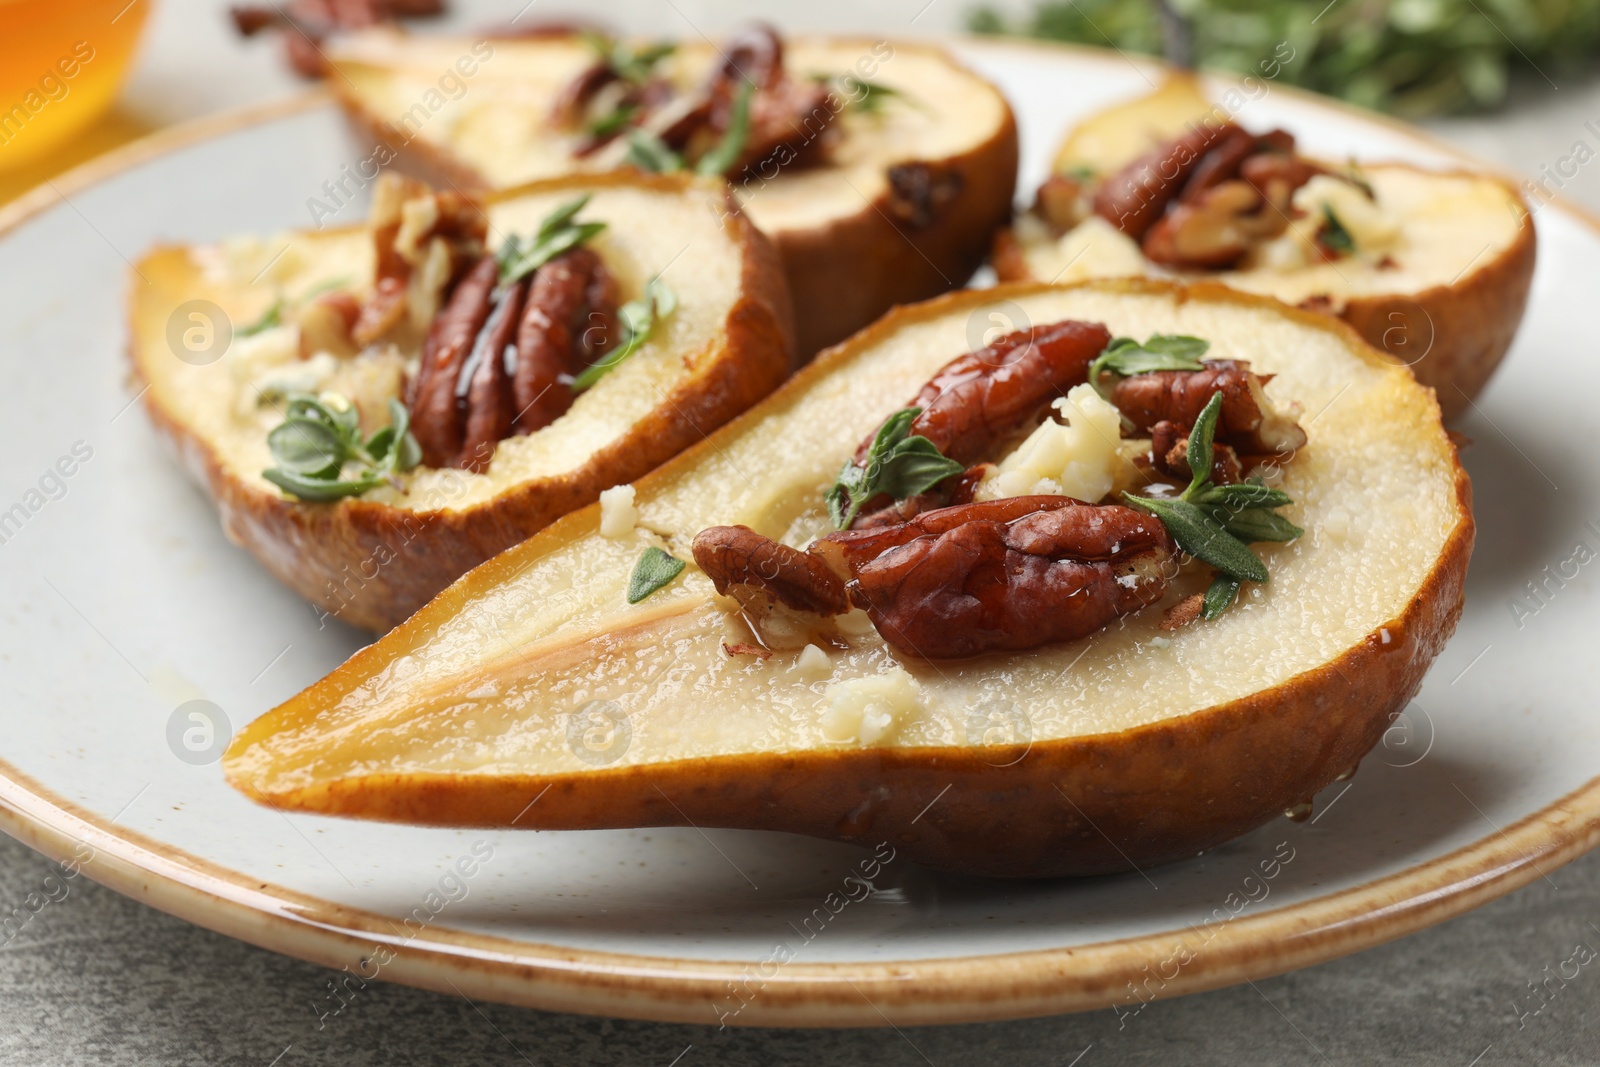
x=120 y=601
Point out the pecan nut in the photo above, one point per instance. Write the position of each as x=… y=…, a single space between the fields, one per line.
x=738 y=556
x=499 y=360
x=567 y=324
x=1247 y=421
x=981 y=398
x=976 y=582
x=1002 y=575
x=1134 y=197
x=788 y=116
x=789 y=119
x=489 y=410
x=435 y=416
x=753 y=53
x=308 y=22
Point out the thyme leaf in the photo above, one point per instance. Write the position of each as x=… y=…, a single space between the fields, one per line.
x=899 y=464
x=654 y=570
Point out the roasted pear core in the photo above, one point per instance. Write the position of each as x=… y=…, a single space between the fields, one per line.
x=533 y=671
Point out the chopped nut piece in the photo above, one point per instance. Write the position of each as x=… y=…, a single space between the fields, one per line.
x=325 y=325
x=1215 y=229
x=1169 y=455
x=1063 y=202
x=1248 y=421
x=1183 y=612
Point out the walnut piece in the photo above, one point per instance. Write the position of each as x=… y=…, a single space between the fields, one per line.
x=423 y=241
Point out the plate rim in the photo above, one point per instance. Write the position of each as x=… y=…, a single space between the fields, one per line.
x=938 y=990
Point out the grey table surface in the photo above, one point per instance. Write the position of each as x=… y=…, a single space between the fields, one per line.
x=97 y=978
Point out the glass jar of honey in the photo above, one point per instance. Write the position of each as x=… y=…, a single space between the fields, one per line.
x=61 y=63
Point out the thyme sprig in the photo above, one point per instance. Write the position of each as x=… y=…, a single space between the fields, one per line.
x=899 y=464
x=1217 y=523
x=321 y=456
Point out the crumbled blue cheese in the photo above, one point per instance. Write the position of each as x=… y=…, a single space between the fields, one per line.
x=1092 y=249
x=267 y=366
x=1080 y=456
x=870 y=710
x=618 y=516
x=1372 y=229
x=813 y=662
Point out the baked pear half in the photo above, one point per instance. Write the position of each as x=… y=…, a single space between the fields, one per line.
x=881 y=170
x=378 y=409
x=1431 y=266
x=1022 y=655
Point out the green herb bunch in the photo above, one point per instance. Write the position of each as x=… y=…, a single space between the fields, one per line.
x=1410 y=57
x=1216 y=523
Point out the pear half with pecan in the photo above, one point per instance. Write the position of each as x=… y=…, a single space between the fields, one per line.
x=1431 y=266
x=377 y=409
x=1101 y=592
x=880 y=169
